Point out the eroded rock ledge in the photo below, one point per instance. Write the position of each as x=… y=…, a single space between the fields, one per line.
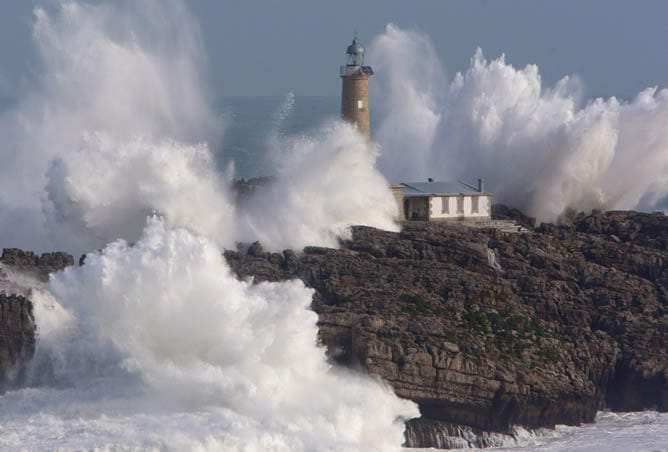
x=492 y=330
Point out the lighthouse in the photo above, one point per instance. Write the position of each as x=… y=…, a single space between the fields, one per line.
x=355 y=89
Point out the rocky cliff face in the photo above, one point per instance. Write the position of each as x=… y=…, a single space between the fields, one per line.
x=17 y=322
x=17 y=338
x=491 y=330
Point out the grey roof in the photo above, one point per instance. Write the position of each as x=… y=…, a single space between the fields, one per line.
x=436 y=188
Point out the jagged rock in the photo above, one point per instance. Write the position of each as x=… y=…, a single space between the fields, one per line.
x=38 y=265
x=17 y=322
x=575 y=320
x=503 y=212
x=17 y=338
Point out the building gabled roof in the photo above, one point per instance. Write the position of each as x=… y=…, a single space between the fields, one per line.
x=437 y=188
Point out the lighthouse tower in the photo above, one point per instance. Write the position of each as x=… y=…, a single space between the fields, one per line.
x=355 y=90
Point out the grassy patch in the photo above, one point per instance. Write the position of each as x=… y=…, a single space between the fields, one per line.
x=509 y=333
x=414 y=305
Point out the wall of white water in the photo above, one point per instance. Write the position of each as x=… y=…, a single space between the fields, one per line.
x=159 y=344
x=541 y=149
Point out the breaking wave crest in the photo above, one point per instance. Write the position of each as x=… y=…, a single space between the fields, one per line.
x=162 y=332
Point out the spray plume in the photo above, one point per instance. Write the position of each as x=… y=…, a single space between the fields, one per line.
x=117 y=128
x=322 y=185
x=111 y=76
x=157 y=344
x=537 y=148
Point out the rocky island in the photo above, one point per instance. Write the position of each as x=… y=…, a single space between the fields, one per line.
x=484 y=329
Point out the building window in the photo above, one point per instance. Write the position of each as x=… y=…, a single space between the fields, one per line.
x=445 y=204
x=474 y=204
x=460 y=204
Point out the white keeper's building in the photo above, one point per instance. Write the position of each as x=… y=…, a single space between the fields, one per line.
x=433 y=201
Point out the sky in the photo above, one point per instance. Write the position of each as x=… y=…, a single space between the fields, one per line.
x=271 y=47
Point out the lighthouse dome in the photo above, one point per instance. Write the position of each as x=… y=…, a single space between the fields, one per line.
x=355 y=53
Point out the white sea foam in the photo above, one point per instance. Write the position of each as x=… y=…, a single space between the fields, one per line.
x=126 y=72
x=107 y=188
x=618 y=432
x=322 y=185
x=538 y=148
x=645 y=431
x=163 y=347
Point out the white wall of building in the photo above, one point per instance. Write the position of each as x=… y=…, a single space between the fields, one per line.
x=460 y=206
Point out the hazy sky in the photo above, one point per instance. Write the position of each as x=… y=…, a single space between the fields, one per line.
x=273 y=47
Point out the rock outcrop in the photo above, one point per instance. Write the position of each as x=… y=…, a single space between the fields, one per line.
x=40 y=266
x=491 y=330
x=17 y=338
x=17 y=322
